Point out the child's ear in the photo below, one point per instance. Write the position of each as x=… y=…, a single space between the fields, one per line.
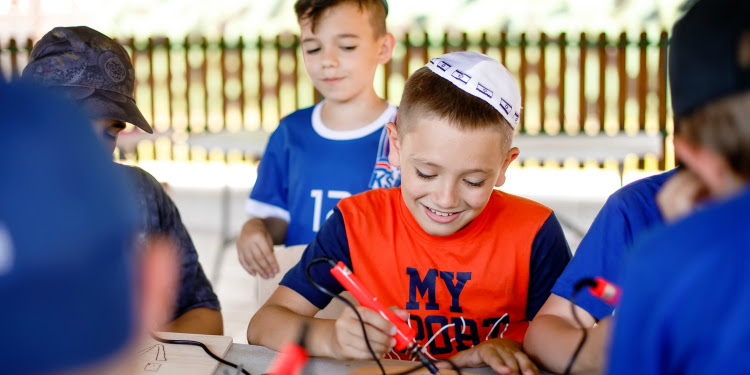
x=387 y=43
x=709 y=166
x=394 y=147
x=509 y=157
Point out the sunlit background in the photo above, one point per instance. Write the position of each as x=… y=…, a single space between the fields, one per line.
x=175 y=157
x=232 y=18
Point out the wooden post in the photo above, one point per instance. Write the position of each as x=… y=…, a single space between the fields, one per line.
x=152 y=102
x=483 y=44
x=662 y=91
x=562 y=42
x=445 y=42
x=642 y=80
x=204 y=77
x=170 y=109
x=542 y=71
x=601 y=101
x=662 y=81
x=279 y=76
x=407 y=55
x=503 y=46
x=14 y=71
x=223 y=59
x=622 y=75
x=188 y=74
x=522 y=78
x=241 y=52
x=295 y=47
x=582 y=104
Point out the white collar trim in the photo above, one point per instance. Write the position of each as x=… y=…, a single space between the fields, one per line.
x=344 y=135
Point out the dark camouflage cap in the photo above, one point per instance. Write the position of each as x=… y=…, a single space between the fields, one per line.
x=89 y=67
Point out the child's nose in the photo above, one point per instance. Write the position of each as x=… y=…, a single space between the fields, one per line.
x=330 y=58
x=447 y=196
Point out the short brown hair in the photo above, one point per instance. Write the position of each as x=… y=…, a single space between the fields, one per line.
x=426 y=93
x=722 y=126
x=313 y=9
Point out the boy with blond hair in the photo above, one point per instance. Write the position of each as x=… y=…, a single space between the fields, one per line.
x=467 y=265
x=329 y=151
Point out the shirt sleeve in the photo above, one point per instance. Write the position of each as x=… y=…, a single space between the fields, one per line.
x=164 y=219
x=269 y=195
x=330 y=242
x=600 y=253
x=550 y=254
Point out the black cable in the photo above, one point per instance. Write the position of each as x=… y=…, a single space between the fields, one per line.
x=425 y=362
x=205 y=348
x=577 y=288
x=342 y=299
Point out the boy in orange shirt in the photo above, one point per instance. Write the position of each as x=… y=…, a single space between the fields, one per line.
x=467 y=265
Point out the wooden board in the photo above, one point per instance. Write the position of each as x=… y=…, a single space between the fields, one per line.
x=155 y=358
x=375 y=370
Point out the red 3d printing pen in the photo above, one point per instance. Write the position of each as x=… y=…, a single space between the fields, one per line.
x=606 y=291
x=292 y=357
x=405 y=335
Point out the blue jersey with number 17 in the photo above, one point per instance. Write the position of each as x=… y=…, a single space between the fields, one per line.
x=307 y=168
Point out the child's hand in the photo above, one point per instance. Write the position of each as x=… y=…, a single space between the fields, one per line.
x=349 y=342
x=505 y=356
x=255 y=249
x=680 y=195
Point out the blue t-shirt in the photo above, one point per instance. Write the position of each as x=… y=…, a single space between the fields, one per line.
x=686 y=300
x=628 y=213
x=307 y=168
x=159 y=216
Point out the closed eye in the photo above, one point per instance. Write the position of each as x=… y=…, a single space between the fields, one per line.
x=312 y=50
x=349 y=48
x=424 y=176
x=475 y=184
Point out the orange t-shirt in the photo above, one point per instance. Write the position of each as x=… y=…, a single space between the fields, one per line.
x=485 y=281
x=460 y=289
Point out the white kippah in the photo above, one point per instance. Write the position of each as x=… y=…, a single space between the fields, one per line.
x=483 y=77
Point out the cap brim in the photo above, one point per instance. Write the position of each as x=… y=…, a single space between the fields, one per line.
x=103 y=105
x=135 y=116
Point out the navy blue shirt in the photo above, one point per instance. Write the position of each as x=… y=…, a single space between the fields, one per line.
x=159 y=216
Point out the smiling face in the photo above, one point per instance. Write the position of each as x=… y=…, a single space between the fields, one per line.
x=447 y=173
x=342 y=52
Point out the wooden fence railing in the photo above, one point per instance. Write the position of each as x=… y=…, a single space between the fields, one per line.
x=584 y=85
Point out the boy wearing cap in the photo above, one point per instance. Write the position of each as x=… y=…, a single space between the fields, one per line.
x=334 y=149
x=466 y=265
x=693 y=318
x=76 y=296
x=96 y=72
